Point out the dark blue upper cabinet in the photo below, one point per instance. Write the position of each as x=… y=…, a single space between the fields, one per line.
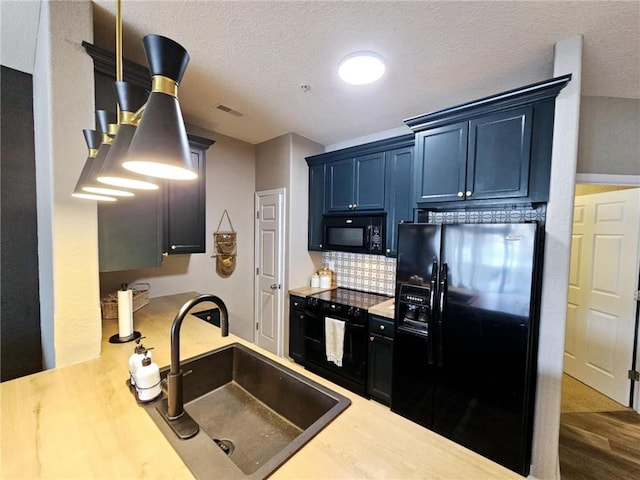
x=399 y=198
x=441 y=172
x=374 y=177
x=355 y=184
x=340 y=184
x=368 y=191
x=316 y=205
x=499 y=155
x=490 y=151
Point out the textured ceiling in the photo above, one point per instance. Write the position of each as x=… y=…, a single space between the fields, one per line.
x=253 y=56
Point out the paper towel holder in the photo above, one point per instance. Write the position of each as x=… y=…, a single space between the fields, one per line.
x=118 y=339
x=125 y=310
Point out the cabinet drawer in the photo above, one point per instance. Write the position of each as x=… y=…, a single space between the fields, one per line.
x=296 y=303
x=381 y=326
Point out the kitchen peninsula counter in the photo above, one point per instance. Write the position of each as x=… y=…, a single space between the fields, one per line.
x=81 y=421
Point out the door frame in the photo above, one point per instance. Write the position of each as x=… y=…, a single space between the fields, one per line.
x=626 y=181
x=282 y=194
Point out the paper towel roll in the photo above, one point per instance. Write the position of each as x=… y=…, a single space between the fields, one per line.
x=125 y=313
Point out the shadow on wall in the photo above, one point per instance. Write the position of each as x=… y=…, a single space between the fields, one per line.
x=171 y=265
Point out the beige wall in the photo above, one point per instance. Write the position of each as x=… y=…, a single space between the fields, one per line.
x=557 y=252
x=609 y=136
x=230 y=186
x=67 y=227
x=302 y=262
x=280 y=163
x=272 y=163
x=587 y=189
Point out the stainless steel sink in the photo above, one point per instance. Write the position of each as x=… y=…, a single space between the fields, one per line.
x=253 y=413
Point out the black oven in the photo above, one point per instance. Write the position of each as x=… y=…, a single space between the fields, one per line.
x=353 y=233
x=350 y=307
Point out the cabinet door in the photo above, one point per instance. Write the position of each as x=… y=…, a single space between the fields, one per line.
x=296 y=328
x=499 y=155
x=130 y=233
x=185 y=211
x=441 y=163
x=316 y=205
x=340 y=181
x=369 y=182
x=399 y=197
x=380 y=368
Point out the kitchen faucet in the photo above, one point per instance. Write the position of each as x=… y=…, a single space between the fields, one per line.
x=172 y=408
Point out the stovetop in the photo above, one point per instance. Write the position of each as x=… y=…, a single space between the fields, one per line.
x=351 y=298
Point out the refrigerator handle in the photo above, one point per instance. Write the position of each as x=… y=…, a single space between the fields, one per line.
x=433 y=284
x=441 y=310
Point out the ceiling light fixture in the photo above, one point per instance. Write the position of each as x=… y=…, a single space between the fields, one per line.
x=107 y=127
x=361 y=68
x=93 y=139
x=130 y=98
x=160 y=147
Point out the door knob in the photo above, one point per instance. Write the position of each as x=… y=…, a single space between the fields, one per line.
x=275 y=286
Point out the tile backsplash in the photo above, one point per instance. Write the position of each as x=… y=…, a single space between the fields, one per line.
x=505 y=215
x=368 y=273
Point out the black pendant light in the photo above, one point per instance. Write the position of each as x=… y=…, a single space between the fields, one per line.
x=106 y=122
x=93 y=140
x=130 y=99
x=160 y=147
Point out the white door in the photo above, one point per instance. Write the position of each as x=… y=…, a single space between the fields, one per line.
x=601 y=313
x=269 y=270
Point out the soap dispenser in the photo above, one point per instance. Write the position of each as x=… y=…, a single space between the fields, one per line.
x=148 y=380
x=135 y=360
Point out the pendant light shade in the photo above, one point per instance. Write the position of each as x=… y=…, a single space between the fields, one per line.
x=93 y=140
x=160 y=147
x=106 y=122
x=130 y=99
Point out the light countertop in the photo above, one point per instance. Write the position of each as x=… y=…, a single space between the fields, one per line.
x=384 y=309
x=81 y=421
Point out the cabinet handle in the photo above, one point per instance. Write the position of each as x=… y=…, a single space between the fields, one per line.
x=381 y=327
x=461 y=194
x=320 y=245
x=173 y=247
x=388 y=250
x=355 y=206
x=295 y=304
x=469 y=192
x=371 y=339
x=350 y=206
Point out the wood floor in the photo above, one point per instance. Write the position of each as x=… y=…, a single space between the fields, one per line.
x=598 y=445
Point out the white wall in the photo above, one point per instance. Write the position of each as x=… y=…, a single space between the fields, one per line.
x=230 y=186
x=557 y=250
x=67 y=227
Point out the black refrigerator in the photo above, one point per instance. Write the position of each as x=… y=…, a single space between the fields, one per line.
x=466 y=323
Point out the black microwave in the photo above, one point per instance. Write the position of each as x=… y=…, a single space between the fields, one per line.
x=354 y=233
